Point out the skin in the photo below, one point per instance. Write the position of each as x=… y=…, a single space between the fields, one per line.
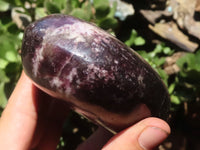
x=34 y=120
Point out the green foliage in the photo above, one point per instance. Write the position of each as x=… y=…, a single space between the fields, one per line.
x=97 y=11
x=156 y=59
x=185 y=85
x=134 y=39
x=190 y=66
x=4 y=6
x=104 y=14
x=81 y=13
x=52 y=7
x=188 y=79
x=102 y=8
x=4 y=79
x=9 y=46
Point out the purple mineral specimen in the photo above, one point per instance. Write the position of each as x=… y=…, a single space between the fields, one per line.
x=99 y=76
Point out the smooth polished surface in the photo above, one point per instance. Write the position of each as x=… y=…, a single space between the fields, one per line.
x=95 y=73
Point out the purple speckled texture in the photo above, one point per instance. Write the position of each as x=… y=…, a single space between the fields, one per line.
x=82 y=64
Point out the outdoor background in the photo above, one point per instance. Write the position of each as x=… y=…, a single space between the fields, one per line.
x=165 y=32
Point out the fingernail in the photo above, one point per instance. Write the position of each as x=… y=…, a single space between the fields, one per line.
x=152 y=137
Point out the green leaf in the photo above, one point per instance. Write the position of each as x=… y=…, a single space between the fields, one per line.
x=3 y=80
x=39 y=3
x=186 y=61
x=87 y=7
x=4 y=6
x=3 y=76
x=8 y=47
x=13 y=69
x=139 y=41
x=112 y=10
x=3 y=63
x=171 y=88
x=74 y=3
x=3 y=99
x=71 y=5
x=190 y=67
x=159 y=61
x=167 y=50
x=158 y=48
x=131 y=39
x=11 y=56
x=51 y=7
x=134 y=39
x=143 y=53
x=102 y=8
x=189 y=76
x=163 y=75
x=108 y=23
x=40 y=12
x=175 y=99
x=61 y=4
x=80 y=13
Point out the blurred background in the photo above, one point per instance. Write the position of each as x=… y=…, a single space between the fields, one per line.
x=165 y=32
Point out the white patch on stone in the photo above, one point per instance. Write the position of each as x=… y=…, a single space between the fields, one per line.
x=140 y=80
x=42 y=30
x=116 y=62
x=97 y=40
x=56 y=82
x=124 y=57
x=84 y=28
x=97 y=49
x=67 y=30
x=37 y=59
x=70 y=78
x=94 y=71
x=75 y=31
x=72 y=74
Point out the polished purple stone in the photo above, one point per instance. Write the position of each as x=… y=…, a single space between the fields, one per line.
x=98 y=75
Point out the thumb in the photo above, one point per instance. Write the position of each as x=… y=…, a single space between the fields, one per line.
x=145 y=135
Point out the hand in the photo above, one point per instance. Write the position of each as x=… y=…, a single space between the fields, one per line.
x=33 y=120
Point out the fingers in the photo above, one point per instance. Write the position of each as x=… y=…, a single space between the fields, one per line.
x=31 y=119
x=51 y=115
x=145 y=135
x=19 y=118
x=50 y=136
x=96 y=140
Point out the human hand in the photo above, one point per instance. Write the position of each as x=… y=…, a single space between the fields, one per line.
x=33 y=120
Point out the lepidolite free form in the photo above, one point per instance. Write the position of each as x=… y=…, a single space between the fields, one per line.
x=96 y=74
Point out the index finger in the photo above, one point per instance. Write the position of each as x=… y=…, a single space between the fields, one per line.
x=18 y=121
x=31 y=118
